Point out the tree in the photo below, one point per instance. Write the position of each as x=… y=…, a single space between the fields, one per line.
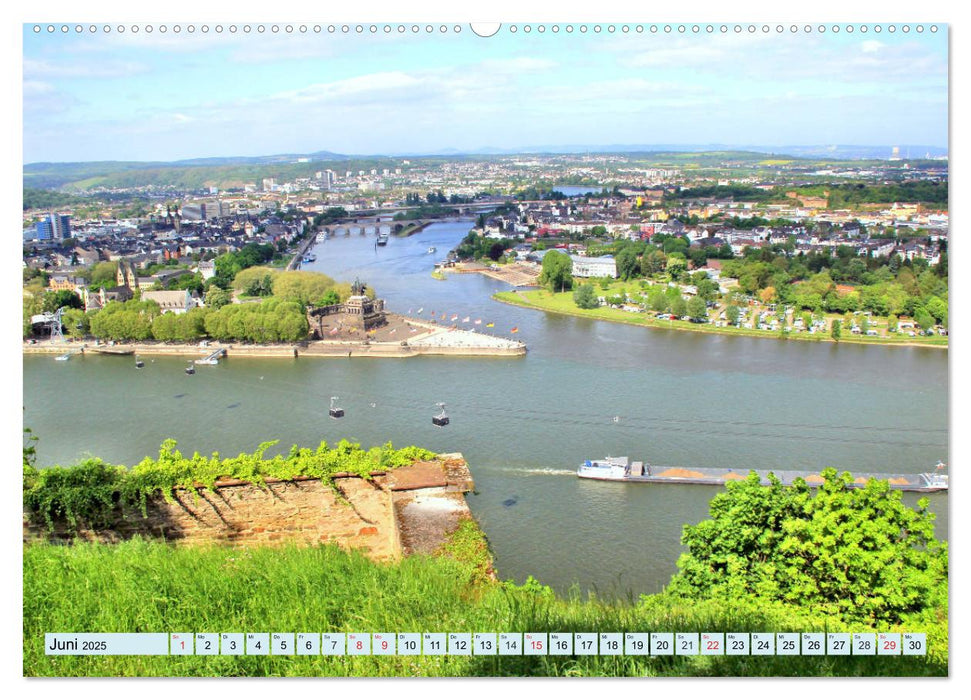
x=64 y=297
x=627 y=264
x=216 y=297
x=937 y=308
x=557 y=271
x=835 y=329
x=767 y=295
x=653 y=262
x=329 y=299
x=76 y=323
x=924 y=319
x=732 y=313
x=258 y=279
x=301 y=285
x=585 y=297
x=859 y=553
x=657 y=299
x=678 y=306
x=697 y=309
x=676 y=266
x=707 y=289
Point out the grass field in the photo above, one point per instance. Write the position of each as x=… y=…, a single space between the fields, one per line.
x=141 y=586
x=562 y=302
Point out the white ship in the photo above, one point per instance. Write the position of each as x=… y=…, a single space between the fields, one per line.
x=622 y=469
x=608 y=468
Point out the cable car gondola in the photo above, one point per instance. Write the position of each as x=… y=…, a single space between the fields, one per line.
x=442 y=418
x=335 y=411
x=138 y=363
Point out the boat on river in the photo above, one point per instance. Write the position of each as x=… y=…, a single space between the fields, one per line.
x=431 y=250
x=382 y=239
x=626 y=470
x=309 y=258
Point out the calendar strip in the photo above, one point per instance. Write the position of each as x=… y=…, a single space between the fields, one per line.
x=488 y=644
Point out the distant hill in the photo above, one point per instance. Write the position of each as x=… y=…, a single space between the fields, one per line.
x=839 y=152
x=236 y=171
x=191 y=174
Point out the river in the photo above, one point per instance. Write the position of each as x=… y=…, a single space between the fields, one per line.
x=585 y=389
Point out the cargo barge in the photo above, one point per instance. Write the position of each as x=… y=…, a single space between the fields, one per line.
x=622 y=469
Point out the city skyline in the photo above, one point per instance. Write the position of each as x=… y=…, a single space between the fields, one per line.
x=166 y=97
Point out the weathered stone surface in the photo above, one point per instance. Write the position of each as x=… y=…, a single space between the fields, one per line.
x=304 y=511
x=420 y=475
x=417 y=517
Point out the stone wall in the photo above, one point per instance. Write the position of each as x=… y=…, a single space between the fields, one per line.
x=412 y=509
x=304 y=511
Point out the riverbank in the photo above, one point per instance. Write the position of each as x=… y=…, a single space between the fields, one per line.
x=515 y=274
x=400 y=337
x=562 y=303
x=306 y=245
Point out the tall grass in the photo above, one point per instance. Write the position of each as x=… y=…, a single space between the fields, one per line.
x=149 y=586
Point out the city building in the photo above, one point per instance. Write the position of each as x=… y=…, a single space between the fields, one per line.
x=125 y=276
x=604 y=266
x=55 y=227
x=176 y=301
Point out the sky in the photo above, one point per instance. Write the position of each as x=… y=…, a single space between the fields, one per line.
x=98 y=96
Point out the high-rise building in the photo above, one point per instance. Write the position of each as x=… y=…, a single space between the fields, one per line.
x=193 y=212
x=45 y=231
x=55 y=227
x=213 y=210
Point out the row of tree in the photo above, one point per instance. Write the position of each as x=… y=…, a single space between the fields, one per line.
x=273 y=320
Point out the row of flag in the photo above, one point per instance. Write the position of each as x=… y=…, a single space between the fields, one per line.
x=467 y=319
x=335 y=331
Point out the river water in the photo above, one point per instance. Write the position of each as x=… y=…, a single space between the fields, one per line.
x=586 y=389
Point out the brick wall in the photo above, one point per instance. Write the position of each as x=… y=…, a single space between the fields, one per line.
x=304 y=511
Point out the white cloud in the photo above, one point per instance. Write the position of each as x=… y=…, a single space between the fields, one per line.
x=872 y=46
x=44 y=98
x=81 y=69
x=370 y=84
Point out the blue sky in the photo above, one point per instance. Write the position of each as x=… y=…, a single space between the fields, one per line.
x=166 y=96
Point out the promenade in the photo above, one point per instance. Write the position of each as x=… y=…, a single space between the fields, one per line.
x=401 y=337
